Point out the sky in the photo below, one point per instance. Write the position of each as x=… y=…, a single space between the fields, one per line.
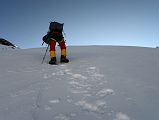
x=86 y=22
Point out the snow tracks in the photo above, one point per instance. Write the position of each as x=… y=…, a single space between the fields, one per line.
x=74 y=93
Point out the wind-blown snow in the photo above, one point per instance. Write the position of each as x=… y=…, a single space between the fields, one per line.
x=100 y=83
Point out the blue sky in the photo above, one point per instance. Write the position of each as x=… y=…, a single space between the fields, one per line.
x=86 y=22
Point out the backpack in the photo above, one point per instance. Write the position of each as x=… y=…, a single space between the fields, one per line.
x=55 y=26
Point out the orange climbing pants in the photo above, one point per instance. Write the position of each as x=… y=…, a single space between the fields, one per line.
x=53 y=47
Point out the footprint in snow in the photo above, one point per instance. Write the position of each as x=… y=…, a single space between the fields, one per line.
x=97 y=106
x=91 y=68
x=62 y=117
x=105 y=92
x=122 y=116
x=79 y=76
x=54 y=101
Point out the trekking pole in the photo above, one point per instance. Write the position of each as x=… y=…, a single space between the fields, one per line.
x=45 y=54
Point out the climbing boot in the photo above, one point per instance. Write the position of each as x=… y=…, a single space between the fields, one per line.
x=64 y=59
x=53 y=61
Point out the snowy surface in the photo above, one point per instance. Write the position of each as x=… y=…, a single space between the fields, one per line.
x=100 y=83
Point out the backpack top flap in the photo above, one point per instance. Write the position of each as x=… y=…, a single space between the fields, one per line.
x=55 y=26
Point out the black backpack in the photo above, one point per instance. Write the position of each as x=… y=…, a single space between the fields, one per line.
x=55 y=26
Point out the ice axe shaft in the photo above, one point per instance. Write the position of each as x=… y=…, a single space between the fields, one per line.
x=45 y=54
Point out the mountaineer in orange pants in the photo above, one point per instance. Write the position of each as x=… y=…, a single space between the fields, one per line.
x=57 y=37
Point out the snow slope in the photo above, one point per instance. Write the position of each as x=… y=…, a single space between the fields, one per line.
x=100 y=83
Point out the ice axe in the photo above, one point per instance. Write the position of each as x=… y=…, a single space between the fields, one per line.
x=45 y=54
